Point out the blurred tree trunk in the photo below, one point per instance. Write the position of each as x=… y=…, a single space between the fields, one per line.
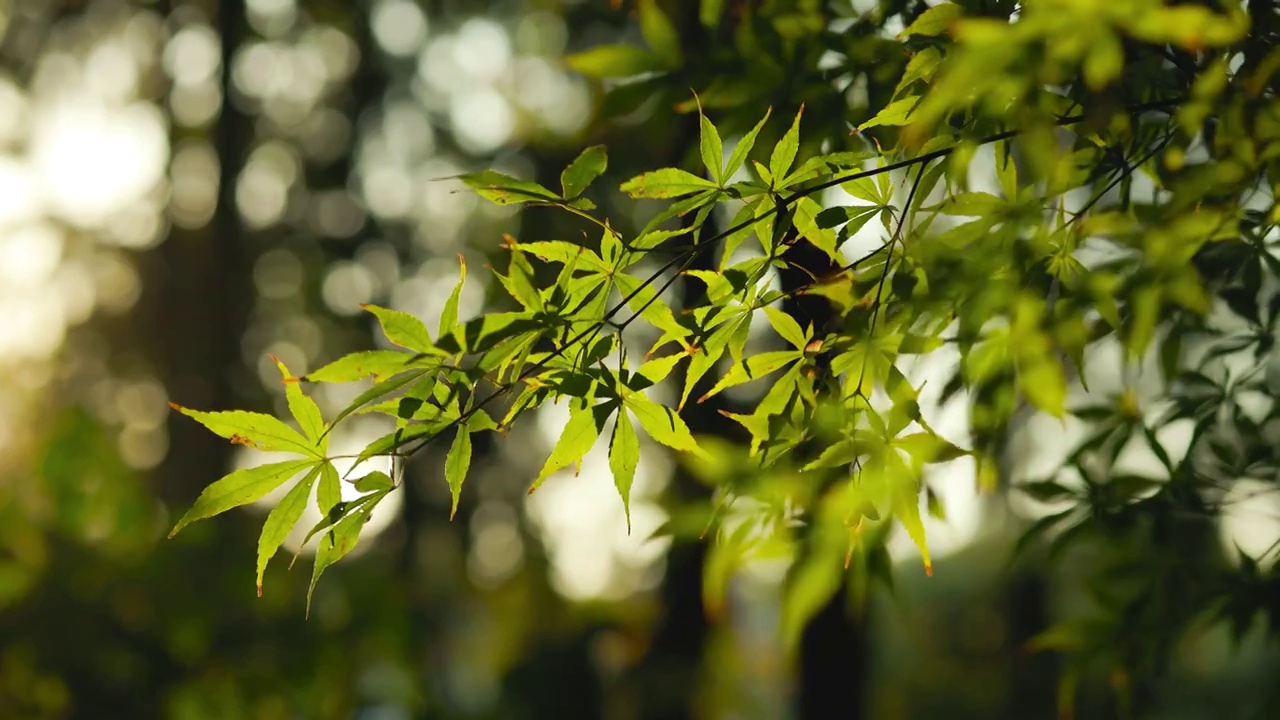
x=201 y=301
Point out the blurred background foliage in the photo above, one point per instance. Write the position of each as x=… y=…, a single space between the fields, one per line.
x=187 y=186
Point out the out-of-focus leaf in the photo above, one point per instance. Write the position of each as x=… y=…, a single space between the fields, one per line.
x=614 y=61
x=709 y=12
x=341 y=539
x=661 y=35
x=933 y=21
x=895 y=113
x=505 y=190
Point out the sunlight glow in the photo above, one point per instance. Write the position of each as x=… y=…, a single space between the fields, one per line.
x=582 y=522
x=93 y=161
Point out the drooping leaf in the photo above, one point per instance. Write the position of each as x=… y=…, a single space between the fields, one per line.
x=624 y=454
x=374 y=481
x=329 y=491
x=240 y=488
x=341 y=539
x=787 y=327
x=579 y=435
x=282 y=518
x=456 y=465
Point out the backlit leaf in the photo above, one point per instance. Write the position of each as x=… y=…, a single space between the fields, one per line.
x=403 y=329
x=340 y=540
x=505 y=190
x=449 y=318
x=256 y=430
x=895 y=113
x=566 y=253
x=753 y=368
x=784 y=153
x=456 y=465
x=786 y=327
x=711 y=148
x=304 y=409
x=282 y=518
x=624 y=454
x=662 y=424
x=666 y=183
x=374 y=481
x=743 y=148
x=588 y=166
x=240 y=488
x=576 y=439
x=329 y=491
x=360 y=365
